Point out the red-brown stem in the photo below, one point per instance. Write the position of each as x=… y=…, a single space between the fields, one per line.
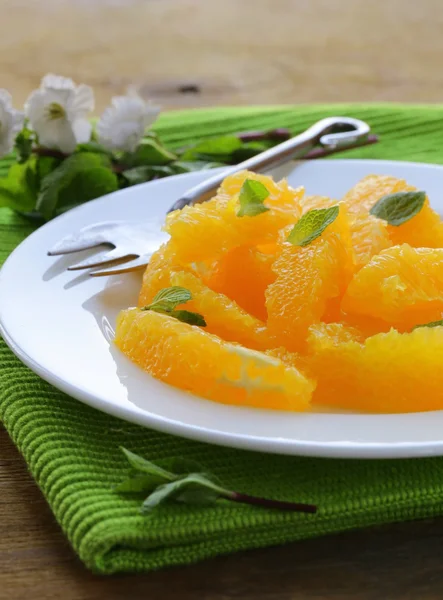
x=49 y=152
x=267 y=503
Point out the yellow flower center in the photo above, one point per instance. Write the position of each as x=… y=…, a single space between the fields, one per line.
x=55 y=111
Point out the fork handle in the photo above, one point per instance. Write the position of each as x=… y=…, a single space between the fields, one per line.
x=331 y=132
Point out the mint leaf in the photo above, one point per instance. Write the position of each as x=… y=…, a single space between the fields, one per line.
x=94 y=147
x=169 y=298
x=137 y=175
x=149 y=153
x=182 y=166
x=138 y=484
x=251 y=198
x=193 y=488
x=18 y=190
x=192 y=318
x=311 y=225
x=146 y=466
x=219 y=149
x=398 y=208
x=23 y=144
x=183 y=490
x=81 y=177
x=431 y=324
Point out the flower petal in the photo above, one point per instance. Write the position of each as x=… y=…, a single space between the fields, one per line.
x=82 y=130
x=83 y=101
x=123 y=124
x=56 y=82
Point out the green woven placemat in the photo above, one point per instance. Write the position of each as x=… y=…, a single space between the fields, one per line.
x=73 y=451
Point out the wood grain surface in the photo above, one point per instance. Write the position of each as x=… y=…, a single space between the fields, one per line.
x=191 y=53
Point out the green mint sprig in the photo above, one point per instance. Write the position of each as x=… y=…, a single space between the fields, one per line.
x=167 y=300
x=399 y=207
x=189 y=484
x=311 y=225
x=252 y=195
x=41 y=183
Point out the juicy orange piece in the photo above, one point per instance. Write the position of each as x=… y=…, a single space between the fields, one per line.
x=425 y=229
x=243 y=274
x=308 y=279
x=389 y=372
x=367 y=192
x=369 y=236
x=157 y=274
x=194 y=360
x=222 y=315
x=401 y=285
x=206 y=231
x=281 y=195
x=315 y=202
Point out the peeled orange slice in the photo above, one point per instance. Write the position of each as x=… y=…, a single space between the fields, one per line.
x=192 y=359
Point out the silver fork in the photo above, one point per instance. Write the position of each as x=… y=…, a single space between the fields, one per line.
x=132 y=244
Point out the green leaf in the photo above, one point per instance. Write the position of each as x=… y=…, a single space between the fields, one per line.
x=145 y=173
x=181 y=466
x=181 y=166
x=252 y=195
x=398 y=208
x=139 y=484
x=311 y=225
x=18 y=190
x=94 y=147
x=146 y=466
x=167 y=299
x=219 y=149
x=150 y=153
x=186 y=316
x=23 y=144
x=81 y=177
x=250 y=149
x=208 y=491
x=431 y=324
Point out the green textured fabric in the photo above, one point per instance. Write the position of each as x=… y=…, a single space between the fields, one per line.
x=73 y=451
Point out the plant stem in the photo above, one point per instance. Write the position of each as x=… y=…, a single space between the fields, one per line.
x=49 y=152
x=267 y=503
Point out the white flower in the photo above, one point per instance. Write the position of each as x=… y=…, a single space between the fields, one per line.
x=11 y=121
x=123 y=124
x=58 y=113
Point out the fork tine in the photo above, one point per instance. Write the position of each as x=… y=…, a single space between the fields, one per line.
x=102 y=259
x=132 y=265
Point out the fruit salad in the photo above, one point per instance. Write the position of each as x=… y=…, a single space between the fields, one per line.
x=266 y=297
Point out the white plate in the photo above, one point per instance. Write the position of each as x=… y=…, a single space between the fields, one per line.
x=61 y=324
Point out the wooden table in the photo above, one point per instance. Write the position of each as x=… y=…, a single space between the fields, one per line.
x=189 y=53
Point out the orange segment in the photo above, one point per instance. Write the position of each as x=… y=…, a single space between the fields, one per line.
x=423 y=230
x=196 y=361
x=243 y=274
x=222 y=315
x=157 y=274
x=308 y=279
x=206 y=231
x=401 y=285
x=369 y=236
x=363 y=196
x=281 y=195
x=389 y=372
